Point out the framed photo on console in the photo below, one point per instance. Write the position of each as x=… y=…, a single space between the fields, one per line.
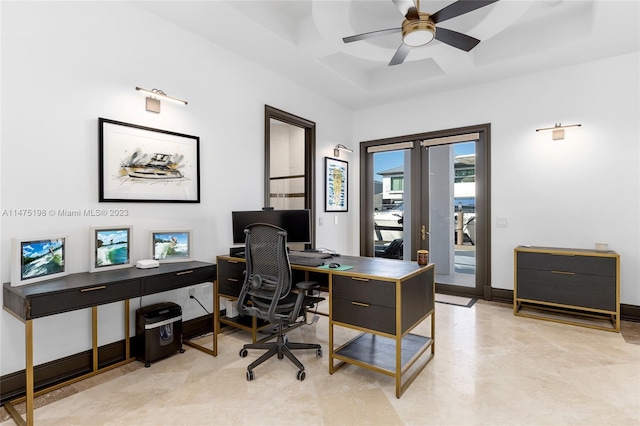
x=140 y=163
x=171 y=245
x=111 y=247
x=336 y=184
x=38 y=258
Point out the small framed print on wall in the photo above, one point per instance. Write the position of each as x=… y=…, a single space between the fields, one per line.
x=336 y=183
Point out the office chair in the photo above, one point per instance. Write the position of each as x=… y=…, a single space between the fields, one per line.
x=266 y=294
x=394 y=250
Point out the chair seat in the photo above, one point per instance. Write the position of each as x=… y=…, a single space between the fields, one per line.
x=284 y=305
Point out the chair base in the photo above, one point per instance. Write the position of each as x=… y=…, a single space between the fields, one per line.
x=281 y=347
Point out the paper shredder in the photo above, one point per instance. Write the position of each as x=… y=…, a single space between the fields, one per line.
x=158 y=331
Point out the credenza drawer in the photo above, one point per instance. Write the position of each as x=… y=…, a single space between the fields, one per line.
x=589 y=291
x=178 y=279
x=230 y=277
x=364 y=290
x=85 y=297
x=364 y=315
x=592 y=265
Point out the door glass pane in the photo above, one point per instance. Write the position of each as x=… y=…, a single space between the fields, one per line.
x=452 y=213
x=287 y=173
x=391 y=204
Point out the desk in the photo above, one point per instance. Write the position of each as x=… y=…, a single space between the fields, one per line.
x=384 y=299
x=89 y=290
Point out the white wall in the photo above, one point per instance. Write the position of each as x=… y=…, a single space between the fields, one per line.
x=64 y=64
x=570 y=193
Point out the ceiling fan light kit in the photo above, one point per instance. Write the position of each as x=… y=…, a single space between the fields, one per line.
x=418 y=32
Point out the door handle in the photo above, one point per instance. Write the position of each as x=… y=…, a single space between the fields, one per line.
x=423 y=232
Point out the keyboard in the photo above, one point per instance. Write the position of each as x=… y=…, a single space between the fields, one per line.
x=310 y=254
x=305 y=261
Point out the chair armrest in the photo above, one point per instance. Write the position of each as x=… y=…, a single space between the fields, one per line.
x=307 y=285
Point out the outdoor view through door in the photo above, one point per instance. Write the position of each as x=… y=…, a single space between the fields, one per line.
x=451 y=201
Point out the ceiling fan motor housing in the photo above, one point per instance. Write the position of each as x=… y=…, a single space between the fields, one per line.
x=418 y=32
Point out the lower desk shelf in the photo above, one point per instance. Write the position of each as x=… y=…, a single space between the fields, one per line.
x=380 y=352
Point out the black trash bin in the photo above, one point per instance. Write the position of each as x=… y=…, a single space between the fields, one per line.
x=158 y=331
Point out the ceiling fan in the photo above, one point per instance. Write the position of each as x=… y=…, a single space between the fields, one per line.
x=419 y=28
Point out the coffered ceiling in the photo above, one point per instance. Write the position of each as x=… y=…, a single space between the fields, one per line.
x=302 y=40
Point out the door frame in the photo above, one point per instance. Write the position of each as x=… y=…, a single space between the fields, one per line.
x=483 y=201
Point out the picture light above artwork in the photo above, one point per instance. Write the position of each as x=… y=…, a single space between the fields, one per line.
x=154 y=96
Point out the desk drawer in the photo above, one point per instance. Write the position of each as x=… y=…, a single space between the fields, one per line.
x=48 y=304
x=230 y=277
x=360 y=314
x=372 y=292
x=178 y=279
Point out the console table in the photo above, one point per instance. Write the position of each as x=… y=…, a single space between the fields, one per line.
x=574 y=286
x=384 y=299
x=89 y=290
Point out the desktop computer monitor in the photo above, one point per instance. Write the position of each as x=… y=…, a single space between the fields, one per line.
x=297 y=223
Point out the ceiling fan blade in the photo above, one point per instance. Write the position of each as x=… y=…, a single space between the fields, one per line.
x=456 y=39
x=400 y=55
x=371 y=34
x=459 y=8
x=405 y=7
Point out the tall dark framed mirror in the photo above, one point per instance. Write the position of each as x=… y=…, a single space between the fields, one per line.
x=289 y=146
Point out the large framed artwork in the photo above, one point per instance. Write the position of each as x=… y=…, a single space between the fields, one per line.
x=140 y=163
x=336 y=182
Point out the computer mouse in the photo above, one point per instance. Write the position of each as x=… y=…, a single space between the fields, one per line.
x=334 y=265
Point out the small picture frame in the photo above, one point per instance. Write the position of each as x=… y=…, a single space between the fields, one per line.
x=111 y=247
x=336 y=184
x=38 y=258
x=171 y=245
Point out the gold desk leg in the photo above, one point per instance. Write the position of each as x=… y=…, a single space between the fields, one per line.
x=29 y=394
x=127 y=343
x=29 y=370
x=216 y=317
x=94 y=336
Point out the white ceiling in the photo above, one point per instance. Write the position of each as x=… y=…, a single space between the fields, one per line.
x=302 y=40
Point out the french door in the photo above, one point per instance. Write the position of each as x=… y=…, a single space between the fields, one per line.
x=430 y=192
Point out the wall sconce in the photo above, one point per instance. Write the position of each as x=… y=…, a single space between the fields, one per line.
x=557 y=131
x=153 y=100
x=340 y=147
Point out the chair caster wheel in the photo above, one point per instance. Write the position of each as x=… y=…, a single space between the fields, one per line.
x=181 y=350
x=250 y=375
x=280 y=356
x=301 y=375
x=318 y=353
x=243 y=353
x=147 y=364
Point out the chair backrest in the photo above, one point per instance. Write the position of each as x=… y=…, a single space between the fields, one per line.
x=268 y=272
x=394 y=249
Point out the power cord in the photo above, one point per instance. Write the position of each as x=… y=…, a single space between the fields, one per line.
x=194 y=298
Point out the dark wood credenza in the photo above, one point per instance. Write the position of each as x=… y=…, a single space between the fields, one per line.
x=89 y=290
x=574 y=286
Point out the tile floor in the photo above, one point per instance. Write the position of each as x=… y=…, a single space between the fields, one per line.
x=490 y=368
